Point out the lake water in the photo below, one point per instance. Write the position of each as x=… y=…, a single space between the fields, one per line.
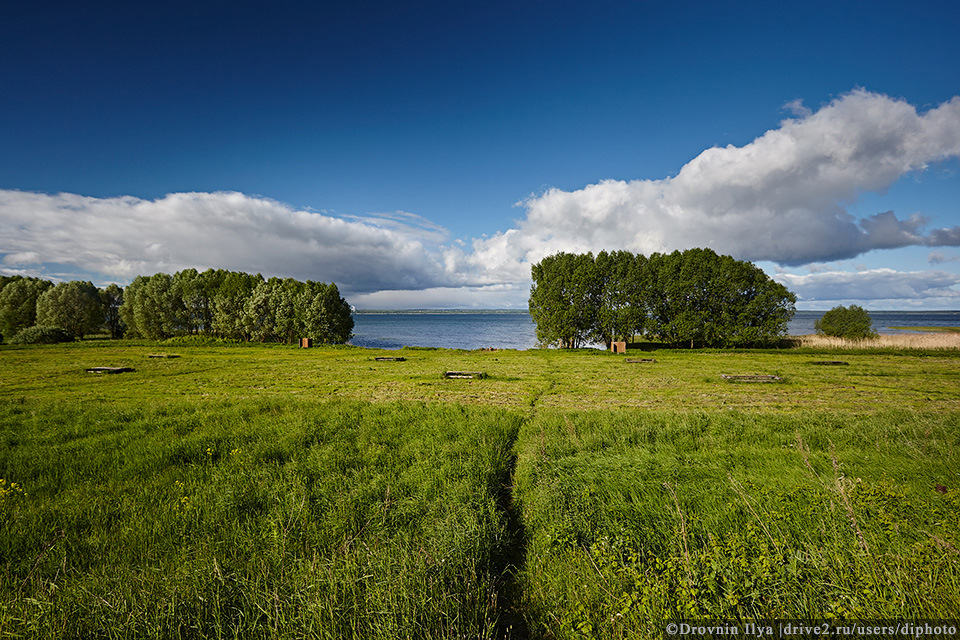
x=515 y=330
x=447 y=330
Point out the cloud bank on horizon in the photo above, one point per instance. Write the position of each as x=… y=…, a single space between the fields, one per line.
x=783 y=198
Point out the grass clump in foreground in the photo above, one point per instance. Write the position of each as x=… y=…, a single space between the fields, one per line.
x=255 y=519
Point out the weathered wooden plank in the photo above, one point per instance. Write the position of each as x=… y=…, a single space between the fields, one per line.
x=464 y=374
x=635 y=360
x=830 y=362
x=390 y=359
x=750 y=378
x=110 y=370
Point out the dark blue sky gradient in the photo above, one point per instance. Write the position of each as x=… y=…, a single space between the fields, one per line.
x=438 y=108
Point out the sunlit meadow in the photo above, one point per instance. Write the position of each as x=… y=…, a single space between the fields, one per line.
x=258 y=491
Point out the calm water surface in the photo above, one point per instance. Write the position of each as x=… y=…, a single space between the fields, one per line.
x=515 y=330
x=446 y=330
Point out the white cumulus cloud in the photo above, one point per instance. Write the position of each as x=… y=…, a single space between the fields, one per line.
x=782 y=197
x=873 y=285
x=124 y=237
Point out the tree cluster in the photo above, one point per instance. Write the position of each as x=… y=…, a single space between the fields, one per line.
x=235 y=305
x=75 y=307
x=694 y=297
x=217 y=303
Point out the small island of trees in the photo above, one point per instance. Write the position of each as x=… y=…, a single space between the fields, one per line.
x=690 y=298
x=217 y=303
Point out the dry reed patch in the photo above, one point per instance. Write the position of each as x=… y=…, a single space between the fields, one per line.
x=886 y=341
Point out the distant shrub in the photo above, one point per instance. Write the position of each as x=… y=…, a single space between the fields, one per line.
x=40 y=334
x=852 y=323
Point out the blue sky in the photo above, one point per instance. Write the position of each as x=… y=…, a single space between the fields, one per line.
x=423 y=154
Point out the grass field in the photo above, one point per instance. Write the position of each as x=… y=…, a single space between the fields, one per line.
x=267 y=491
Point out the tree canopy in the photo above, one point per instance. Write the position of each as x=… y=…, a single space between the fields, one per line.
x=218 y=303
x=235 y=305
x=73 y=306
x=18 y=303
x=695 y=297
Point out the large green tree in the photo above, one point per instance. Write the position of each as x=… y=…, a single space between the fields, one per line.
x=290 y=325
x=564 y=299
x=73 y=306
x=233 y=289
x=701 y=298
x=112 y=299
x=18 y=303
x=193 y=301
x=260 y=311
x=620 y=313
x=324 y=314
x=154 y=307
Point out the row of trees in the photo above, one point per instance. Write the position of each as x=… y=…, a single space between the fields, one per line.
x=235 y=305
x=217 y=303
x=694 y=297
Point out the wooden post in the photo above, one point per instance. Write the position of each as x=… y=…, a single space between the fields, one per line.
x=618 y=347
x=306 y=343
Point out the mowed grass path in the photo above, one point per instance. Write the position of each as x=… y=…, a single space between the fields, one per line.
x=267 y=491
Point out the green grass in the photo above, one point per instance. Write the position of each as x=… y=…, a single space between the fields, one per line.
x=265 y=491
x=253 y=519
x=545 y=378
x=635 y=518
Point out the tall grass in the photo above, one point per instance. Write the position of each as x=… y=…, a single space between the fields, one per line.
x=255 y=519
x=635 y=519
